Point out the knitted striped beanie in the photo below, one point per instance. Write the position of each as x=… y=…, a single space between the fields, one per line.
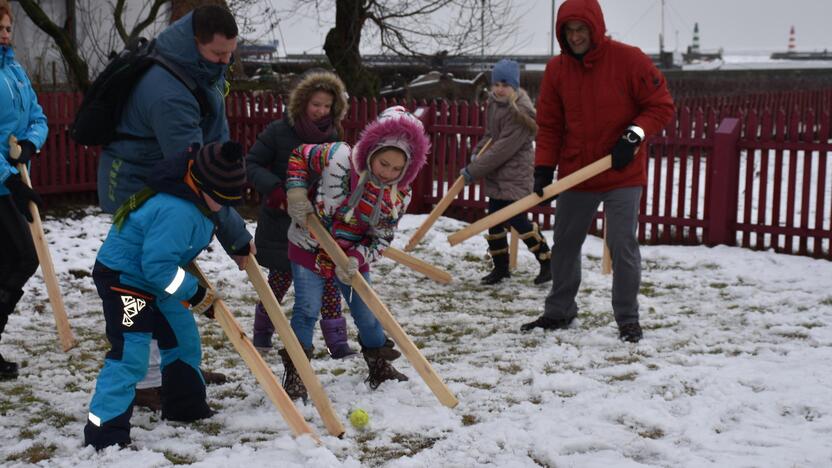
x=220 y=171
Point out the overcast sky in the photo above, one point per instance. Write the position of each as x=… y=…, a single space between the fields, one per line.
x=737 y=25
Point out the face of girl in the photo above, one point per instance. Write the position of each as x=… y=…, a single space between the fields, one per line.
x=5 y=30
x=387 y=165
x=319 y=105
x=501 y=89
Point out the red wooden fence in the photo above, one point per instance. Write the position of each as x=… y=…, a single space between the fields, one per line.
x=760 y=179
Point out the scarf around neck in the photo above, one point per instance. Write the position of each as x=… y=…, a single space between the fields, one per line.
x=314 y=132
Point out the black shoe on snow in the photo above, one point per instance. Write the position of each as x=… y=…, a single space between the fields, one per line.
x=8 y=370
x=496 y=275
x=546 y=323
x=545 y=274
x=630 y=332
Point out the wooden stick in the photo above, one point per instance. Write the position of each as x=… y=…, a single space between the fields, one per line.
x=360 y=285
x=425 y=268
x=293 y=347
x=440 y=207
x=606 y=259
x=262 y=372
x=512 y=249
x=47 y=267
x=529 y=201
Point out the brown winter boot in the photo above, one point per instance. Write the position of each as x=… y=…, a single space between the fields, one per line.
x=150 y=398
x=378 y=361
x=291 y=379
x=536 y=243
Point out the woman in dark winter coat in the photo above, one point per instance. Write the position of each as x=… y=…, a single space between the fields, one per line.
x=21 y=117
x=507 y=166
x=317 y=104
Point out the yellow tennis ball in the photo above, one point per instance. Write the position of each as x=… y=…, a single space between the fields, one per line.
x=359 y=418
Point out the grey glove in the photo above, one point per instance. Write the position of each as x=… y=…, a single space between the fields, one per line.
x=345 y=275
x=298 y=205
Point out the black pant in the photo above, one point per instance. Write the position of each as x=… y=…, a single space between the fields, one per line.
x=520 y=221
x=18 y=258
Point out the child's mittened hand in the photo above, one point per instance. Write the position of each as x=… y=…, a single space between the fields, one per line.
x=345 y=275
x=298 y=206
x=469 y=179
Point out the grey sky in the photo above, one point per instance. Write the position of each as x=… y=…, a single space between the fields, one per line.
x=737 y=25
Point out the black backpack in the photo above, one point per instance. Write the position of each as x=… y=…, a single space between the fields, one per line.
x=100 y=111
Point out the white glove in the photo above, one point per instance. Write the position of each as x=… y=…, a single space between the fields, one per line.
x=345 y=275
x=298 y=205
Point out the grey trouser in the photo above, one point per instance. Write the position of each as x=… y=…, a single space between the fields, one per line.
x=575 y=212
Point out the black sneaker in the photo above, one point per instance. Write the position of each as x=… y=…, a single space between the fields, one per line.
x=630 y=332
x=546 y=323
x=497 y=274
x=545 y=274
x=8 y=369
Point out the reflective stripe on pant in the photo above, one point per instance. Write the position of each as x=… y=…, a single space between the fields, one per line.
x=309 y=291
x=575 y=213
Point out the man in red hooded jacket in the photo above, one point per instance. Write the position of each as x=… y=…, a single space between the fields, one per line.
x=598 y=97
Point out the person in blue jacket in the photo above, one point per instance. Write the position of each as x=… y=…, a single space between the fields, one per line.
x=163 y=118
x=22 y=117
x=142 y=278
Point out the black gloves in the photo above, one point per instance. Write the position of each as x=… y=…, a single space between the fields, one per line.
x=22 y=194
x=625 y=149
x=27 y=150
x=202 y=302
x=543 y=176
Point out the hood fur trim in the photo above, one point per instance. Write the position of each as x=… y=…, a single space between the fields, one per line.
x=318 y=81
x=401 y=130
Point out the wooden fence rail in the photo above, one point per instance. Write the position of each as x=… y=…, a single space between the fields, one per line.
x=749 y=170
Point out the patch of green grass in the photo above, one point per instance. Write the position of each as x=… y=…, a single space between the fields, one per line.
x=481 y=385
x=718 y=285
x=627 y=376
x=654 y=433
x=648 y=289
x=512 y=368
x=469 y=257
x=469 y=420
x=827 y=301
x=34 y=454
x=178 y=459
x=27 y=434
x=337 y=371
x=209 y=427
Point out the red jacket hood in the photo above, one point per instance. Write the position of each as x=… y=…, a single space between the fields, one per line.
x=586 y=11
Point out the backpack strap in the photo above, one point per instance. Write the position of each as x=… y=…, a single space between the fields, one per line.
x=186 y=80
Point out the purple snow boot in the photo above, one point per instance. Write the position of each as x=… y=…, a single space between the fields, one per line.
x=335 y=337
x=263 y=329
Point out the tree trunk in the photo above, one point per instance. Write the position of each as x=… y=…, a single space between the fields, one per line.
x=64 y=39
x=342 y=48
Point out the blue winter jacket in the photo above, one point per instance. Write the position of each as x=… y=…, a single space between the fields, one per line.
x=167 y=116
x=155 y=243
x=20 y=113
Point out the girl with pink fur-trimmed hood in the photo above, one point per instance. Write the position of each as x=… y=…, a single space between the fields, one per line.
x=359 y=194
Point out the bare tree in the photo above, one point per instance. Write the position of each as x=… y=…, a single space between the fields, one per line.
x=408 y=27
x=66 y=39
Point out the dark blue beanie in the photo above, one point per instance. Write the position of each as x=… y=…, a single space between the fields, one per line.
x=507 y=71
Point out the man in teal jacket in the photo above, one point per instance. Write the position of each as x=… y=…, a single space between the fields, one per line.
x=163 y=118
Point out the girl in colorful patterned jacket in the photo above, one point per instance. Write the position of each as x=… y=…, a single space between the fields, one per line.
x=359 y=194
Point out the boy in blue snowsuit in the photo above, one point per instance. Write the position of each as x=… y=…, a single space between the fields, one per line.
x=140 y=273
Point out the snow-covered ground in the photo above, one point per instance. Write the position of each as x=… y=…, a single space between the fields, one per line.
x=734 y=369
